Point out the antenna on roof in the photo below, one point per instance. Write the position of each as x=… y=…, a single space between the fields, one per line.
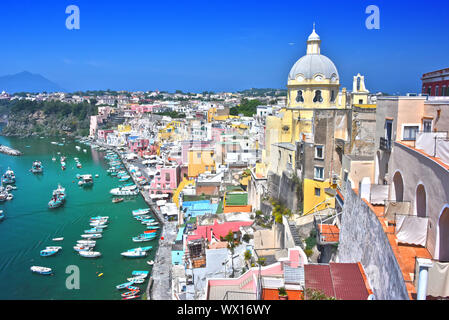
x=314 y=26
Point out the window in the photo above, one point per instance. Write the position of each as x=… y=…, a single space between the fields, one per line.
x=428 y=90
x=167 y=176
x=332 y=95
x=206 y=168
x=280 y=154
x=358 y=84
x=437 y=90
x=410 y=132
x=345 y=176
x=360 y=101
x=388 y=129
x=317 y=192
x=318 y=97
x=319 y=154
x=427 y=125
x=318 y=173
x=290 y=159
x=299 y=97
x=198 y=155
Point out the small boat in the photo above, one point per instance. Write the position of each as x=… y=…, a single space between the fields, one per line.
x=131 y=297
x=152 y=227
x=53 y=159
x=58 y=198
x=124 y=285
x=130 y=293
x=90 y=254
x=136 y=280
x=58 y=239
x=48 y=252
x=151 y=262
x=142 y=239
x=125 y=191
x=92 y=236
x=117 y=200
x=10 y=196
x=80 y=248
x=37 y=167
x=134 y=254
x=139 y=273
x=94 y=230
x=139 y=212
x=142 y=248
x=99 y=218
x=78 y=165
x=149 y=231
x=97 y=175
x=2 y=215
x=41 y=270
x=86 y=180
x=8 y=177
x=87 y=242
x=54 y=248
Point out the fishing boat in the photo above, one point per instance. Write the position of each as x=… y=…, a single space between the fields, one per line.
x=125 y=191
x=58 y=198
x=149 y=231
x=117 y=200
x=124 y=285
x=152 y=227
x=37 y=167
x=131 y=297
x=86 y=180
x=134 y=254
x=144 y=237
x=130 y=293
x=139 y=273
x=92 y=236
x=8 y=177
x=41 y=270
x=90 y=254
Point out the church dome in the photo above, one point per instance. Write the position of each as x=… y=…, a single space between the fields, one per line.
x=312 y=64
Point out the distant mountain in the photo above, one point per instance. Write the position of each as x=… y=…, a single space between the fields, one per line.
x=28 y=82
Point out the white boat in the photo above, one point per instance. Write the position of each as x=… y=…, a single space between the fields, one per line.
x=151 y=262
x=136 y=280
x=139 y=212
x=134 y=254
x=92 y=236
x=58 y=239
x=86 y=180
x=101 y=225
x=86 y=242
x=90 y=254
x=80 y=248
x=41 y=270
x=125 y=191
x=55 y=248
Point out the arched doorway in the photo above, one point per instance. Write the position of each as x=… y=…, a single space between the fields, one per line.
x=398 y=185
x=421 y=201
x=443 y=227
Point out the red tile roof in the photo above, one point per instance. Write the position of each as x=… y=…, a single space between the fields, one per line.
x=219 y=229
x=343 y=281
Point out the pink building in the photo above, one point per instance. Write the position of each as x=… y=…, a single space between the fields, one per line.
x=165 y=182
x=138 y=145
x=102 y=134
x=143 y=108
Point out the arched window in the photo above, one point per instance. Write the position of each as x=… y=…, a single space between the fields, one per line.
x=299 y=97
x=332 y=95
x=443 y=226
x=398 y=184
x=421 y=201
x=358 y=83
x=318 y=97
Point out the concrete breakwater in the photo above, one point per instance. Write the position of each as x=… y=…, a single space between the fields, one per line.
x=10 y=151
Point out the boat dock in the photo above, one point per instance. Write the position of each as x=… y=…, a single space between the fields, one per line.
x=10 y=151
x=159 y=284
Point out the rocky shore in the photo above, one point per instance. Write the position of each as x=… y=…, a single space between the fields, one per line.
x=10 y=151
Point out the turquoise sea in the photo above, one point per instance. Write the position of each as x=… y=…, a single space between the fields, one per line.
x=29 y=225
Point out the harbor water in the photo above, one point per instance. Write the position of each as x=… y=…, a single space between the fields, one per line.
x=30 y=225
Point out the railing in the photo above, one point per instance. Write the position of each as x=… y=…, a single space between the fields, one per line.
x=251 y=294
x=328 y=237
x=385 y=144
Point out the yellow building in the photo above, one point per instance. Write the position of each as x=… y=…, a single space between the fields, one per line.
x=124 y=128
x=200 y=161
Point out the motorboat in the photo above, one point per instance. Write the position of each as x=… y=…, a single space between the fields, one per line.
x=80 y=248
x=125 y=191
x=8 y=177
x=57 y=248
x=134 y=254
x=58 y=197
x=144 y=237
x=141 y=248
x=139 y=273
x=48 y=252
x=90 y=254
x=94 y=230
x=153 y=227
x=58 y=239
x=87 y=242
x=41 y=270
x=139 y=212
x=37 y=167
x=92 y=236
x=86 y=180
x=136 y=280
x=117 y=200
x=124 y=285
x=99 y=218
x=130 y=293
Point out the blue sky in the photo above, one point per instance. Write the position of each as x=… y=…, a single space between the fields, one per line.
x=221 y=45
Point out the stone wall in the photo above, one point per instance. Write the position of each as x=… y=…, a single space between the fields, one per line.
x=363 y=240
x=283 y=189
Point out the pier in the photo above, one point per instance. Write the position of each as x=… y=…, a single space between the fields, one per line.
x=159 y=284
x=9 y=151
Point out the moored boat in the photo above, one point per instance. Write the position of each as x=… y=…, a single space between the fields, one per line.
x=37 y=167
x=8 y=177
x=41 y=270
x=124 y=285
x=134 y=254
x=117 y=200
x=92 y=236
x=139 y=212
x=86 y=180
x=90 y=254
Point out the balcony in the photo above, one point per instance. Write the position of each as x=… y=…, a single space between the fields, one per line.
x=385 y=145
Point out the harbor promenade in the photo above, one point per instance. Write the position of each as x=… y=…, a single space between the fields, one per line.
x=159 y=284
